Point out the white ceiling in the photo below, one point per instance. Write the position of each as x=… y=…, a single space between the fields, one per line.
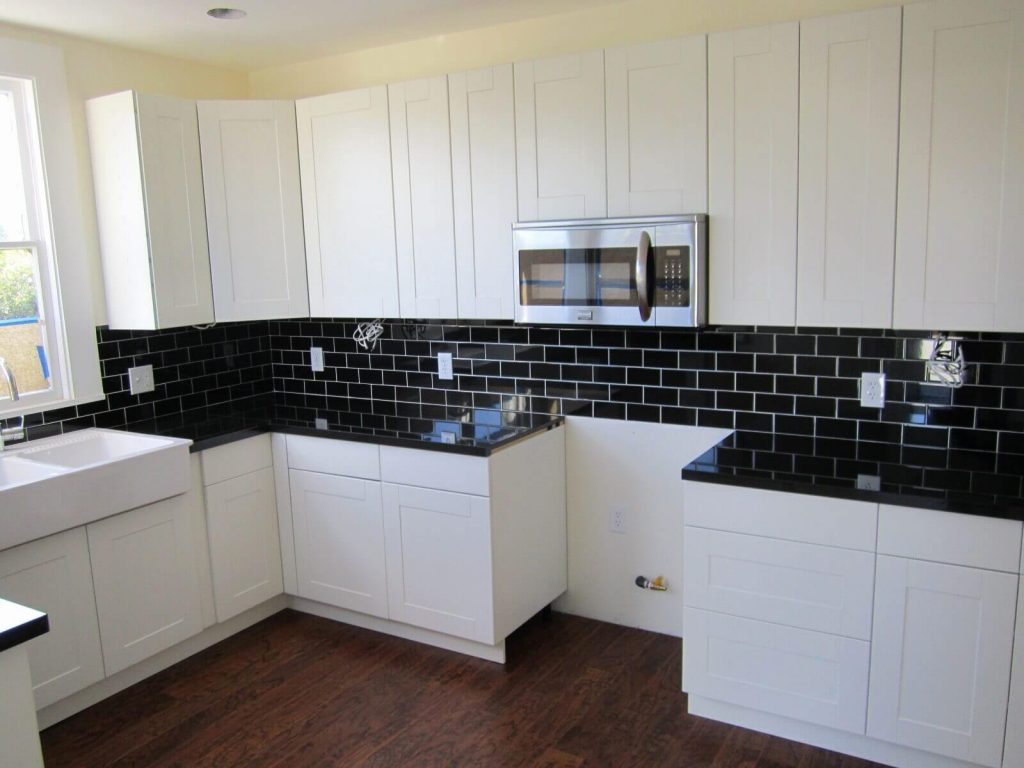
x=275 y=32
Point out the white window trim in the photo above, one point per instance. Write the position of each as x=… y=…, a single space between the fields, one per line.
x=78 y=355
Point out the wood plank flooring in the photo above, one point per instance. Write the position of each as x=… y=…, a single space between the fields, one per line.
x=297 y=690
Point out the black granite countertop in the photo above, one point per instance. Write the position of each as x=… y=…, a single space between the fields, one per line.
x=971 y=482
x=19 y=624
x=473 y=431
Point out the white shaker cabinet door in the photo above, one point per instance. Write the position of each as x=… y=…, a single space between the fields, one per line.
x=253 y=209
x=245 y=548
x=53 y=575
x=656 y=100
x=424 y=221
x=347 y=204
x=959 y=263
x=560 y=140
x=483 y=135
x=752 y=174
x=439 y=561
x=147 y=588
x=849 y=128
x=1013 y=754
x=940 y=658
x=339 y=541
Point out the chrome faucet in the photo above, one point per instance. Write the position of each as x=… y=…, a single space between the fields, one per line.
x=16 y=432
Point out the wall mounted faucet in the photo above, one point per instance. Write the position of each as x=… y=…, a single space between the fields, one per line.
x=16 y=432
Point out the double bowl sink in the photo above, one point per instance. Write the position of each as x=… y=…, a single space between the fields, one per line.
x=51 y=485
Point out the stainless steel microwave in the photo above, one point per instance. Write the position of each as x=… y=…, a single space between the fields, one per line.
x=643 y=271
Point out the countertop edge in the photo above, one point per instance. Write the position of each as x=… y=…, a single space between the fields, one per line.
x=27 y=630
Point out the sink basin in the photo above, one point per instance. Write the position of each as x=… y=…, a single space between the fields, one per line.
x=91 y=447
x=15 y=471
x=62 y=482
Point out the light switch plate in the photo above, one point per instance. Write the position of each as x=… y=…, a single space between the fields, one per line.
x=140 y=379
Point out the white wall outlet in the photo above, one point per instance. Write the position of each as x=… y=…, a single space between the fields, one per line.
x=869 y=483
x=316 y=359
x=872 y=390
x=140 y=379
x=617 y=519
x=444 y=366
x=320 y=423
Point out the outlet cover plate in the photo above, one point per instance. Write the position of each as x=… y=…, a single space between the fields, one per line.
x=617 y=519
x=140 y=379
x=444 y=366
x=316 y=359
x=872 y=390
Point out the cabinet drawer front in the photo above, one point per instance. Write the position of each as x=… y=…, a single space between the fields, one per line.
x=794 y=516
x=433 y=469
x=334 y=457
x=798 y=585
x=948 y=537
x=808 y=676
x=236 y=459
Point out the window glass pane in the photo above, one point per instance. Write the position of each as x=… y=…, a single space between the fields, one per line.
x=13 y=211
x=22 y=326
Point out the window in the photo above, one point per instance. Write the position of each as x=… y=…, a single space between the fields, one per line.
x=47 y=334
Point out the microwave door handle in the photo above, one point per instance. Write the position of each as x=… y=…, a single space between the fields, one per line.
x=643 y=256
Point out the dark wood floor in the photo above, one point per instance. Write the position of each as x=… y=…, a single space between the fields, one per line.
x=296 y=690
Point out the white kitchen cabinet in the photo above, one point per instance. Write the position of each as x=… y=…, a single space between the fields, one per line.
x=1013 y=751
x=241 y=523
x=144 y=565
x=940 y=658
x=959 y=265
x=439 y=561
x=753 y=77
x=348 y=204
x=421 y=165
x=253 y=209
x=657 y=131
x=849 y=128
x=339 y=541
x=560 y=137
x=149 y=206
x=481 y=105
x=54 y=575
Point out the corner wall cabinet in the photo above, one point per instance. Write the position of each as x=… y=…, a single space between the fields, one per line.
x=149 y=206
x=253 y=209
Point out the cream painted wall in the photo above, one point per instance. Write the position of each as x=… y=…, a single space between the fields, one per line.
x=627 y=22
x=94 y=70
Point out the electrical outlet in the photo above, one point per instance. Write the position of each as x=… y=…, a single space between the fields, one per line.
x=316 y=359
x=140 y=379
x=872 y=390
x=320 y=423
x=444 y=366
x=617 y=519
x=869 y=483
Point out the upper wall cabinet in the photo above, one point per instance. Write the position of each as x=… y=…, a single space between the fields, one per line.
x=149 y=209
x=424 y=222
x=849 y=127
x=253 y=209
x=656 y=103
x=752 y=174
x=482 y=109
x=560 y=143
x=959 y=263
x=347 y=202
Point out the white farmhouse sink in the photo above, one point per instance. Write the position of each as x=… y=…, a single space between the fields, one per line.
x=63 y=482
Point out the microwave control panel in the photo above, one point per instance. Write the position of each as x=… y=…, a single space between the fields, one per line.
x=672 y=281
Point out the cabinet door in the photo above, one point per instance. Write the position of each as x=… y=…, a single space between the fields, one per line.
x=347 y=204
x=253 y=209
x=940 y=658
x=752 y=175
x=339 y=541
x=657 y=127
x=959 y=264
x=1013 y=754
x=173 y=191
x=483 y=135
x=144 y=570
x=560 y=143
x=439 y=561
x=245 y=549
x=53 y=575
x=849 y=128
x=424 y=222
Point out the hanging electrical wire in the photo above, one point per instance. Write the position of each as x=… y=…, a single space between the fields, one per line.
x=367 y=335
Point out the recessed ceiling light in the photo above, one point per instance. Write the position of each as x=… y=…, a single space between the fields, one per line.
x=226 y=13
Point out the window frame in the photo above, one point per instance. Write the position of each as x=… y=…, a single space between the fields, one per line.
x=56 y=221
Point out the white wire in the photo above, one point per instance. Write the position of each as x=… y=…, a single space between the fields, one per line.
x=947 y=364
x=368 y=334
